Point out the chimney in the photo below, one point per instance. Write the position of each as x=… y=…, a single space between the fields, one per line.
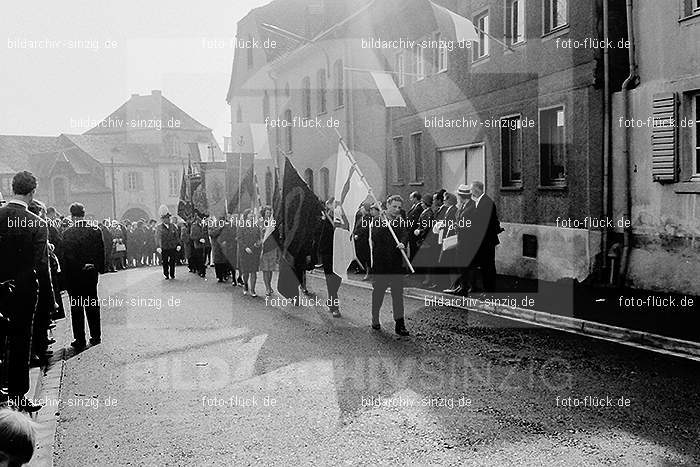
x=156 y=93
x=134 y=95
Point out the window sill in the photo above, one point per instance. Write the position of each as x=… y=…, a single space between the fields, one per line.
x=515 y=47
x=320 y=114
x=688 y=187
x=518 y=187
x=560 y=31
x=693 y=15
x=340 y=107
x=416 y=184
x=552 y=187
x=397 y=183
x=479 y=60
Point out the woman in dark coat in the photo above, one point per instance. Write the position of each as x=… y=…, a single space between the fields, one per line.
x=221 y=266
x=249 y=242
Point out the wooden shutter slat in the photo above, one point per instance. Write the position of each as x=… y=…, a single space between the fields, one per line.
x=664 y=139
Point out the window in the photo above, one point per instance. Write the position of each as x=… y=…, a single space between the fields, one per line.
x=397 y=161
x=697 y=5
x=60 y=191
x=309 y=178
x=420 y=62
x=555 y=14
x=173 y=183
x=133 y=181
x=696 y=170
x=481 y=48
x=689 y=7
x=400 y=69
x=322 y=92
x=239 y=114
x=250 y=52
x=325 y=183
x=515 y=21
x=288 y=130
x=266 y=105
x=268 y=187
x=439 y=53
x=417 y=157
x=511 y=151
x=339 y=84
x=306 y=97
x=552 y=147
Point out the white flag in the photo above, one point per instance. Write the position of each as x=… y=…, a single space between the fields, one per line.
x=458 y=26
x=350 y=192
x=387 y=88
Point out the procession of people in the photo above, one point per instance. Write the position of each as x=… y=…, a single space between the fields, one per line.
x=448 y=239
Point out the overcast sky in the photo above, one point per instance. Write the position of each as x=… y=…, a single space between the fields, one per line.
x=158 y=46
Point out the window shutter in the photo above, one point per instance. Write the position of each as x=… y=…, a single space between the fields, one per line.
x=664 y=153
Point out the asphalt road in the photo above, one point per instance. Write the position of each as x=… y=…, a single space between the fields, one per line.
x=222 y=379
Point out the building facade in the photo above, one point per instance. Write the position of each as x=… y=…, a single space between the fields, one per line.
x=664 y=159
x=123 y=168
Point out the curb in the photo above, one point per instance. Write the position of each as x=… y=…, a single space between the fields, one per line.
x=625 y=336
x=48 y=389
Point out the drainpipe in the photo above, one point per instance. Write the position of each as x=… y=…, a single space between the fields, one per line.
x=631 y=81
x=607 y=139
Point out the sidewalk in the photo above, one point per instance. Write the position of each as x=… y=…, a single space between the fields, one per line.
x=579 y=309
x=45 y=386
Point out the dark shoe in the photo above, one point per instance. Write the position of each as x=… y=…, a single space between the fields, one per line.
x=95 y=341
x=455 y=291
x=78 y=345
x=35 y=362
x=335 y=312
x=400 y=328
x=23 y=404
x=166 y=278
x=172 y=277
x=376 y=327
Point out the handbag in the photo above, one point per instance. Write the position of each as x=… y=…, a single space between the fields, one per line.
x=449 y=243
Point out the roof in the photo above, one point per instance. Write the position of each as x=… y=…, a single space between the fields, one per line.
x=16 y=149
x=145 y=113
x=115 y=147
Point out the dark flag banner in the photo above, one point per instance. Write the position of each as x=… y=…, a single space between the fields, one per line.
x=199 y=194
x=298 y=218
x=240 y=172
x=185 y=209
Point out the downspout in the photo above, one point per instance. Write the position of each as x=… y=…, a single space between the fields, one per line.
x=607 y=139
x=631 y=81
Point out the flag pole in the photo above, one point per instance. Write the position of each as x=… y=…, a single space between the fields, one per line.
x=371 y=193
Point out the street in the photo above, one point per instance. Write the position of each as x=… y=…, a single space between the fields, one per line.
x=191 y=372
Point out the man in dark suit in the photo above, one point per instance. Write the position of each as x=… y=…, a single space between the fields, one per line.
x=412 y=219
x=23 y=249
x=167 y=242
x=388 y=264
x=465 y=242
x=486 y=227
x=83 y=254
